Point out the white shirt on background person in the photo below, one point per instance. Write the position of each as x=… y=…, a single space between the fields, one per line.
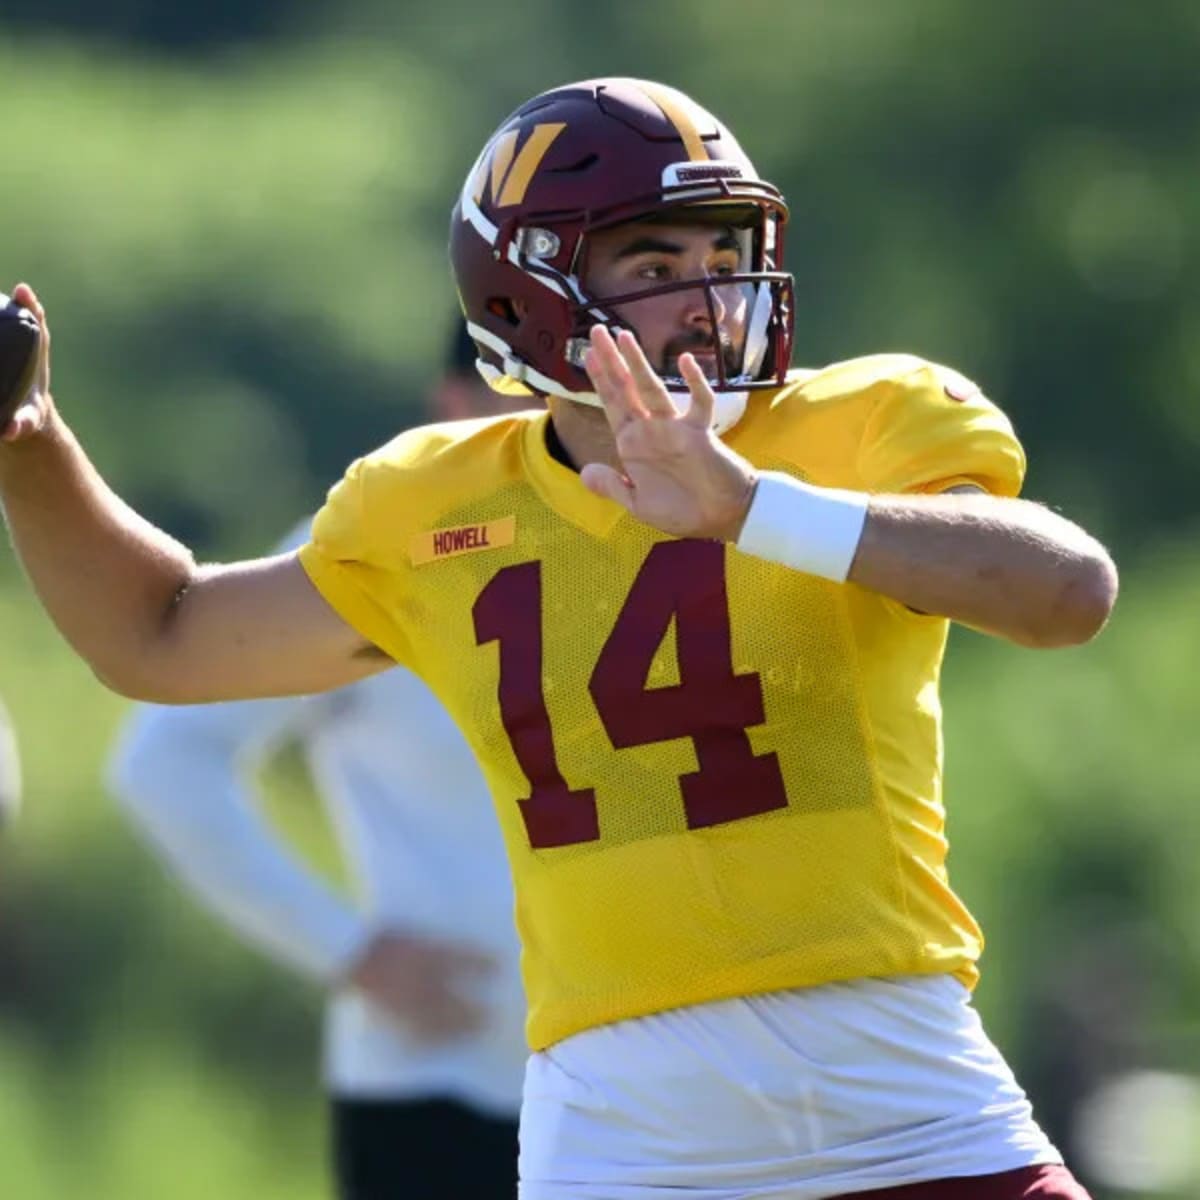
x=420 y=841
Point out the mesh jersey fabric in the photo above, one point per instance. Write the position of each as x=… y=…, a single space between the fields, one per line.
x=715 y=776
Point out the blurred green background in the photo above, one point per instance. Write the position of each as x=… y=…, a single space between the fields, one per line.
x=235 y=212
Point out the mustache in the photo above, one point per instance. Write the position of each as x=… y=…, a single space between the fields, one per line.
x=702 y=342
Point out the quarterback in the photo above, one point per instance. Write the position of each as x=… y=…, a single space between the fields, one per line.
x=690 y=614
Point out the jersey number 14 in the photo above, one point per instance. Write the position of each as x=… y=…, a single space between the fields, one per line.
x=711 y=705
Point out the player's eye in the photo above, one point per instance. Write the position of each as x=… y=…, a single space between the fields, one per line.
x=657 y=271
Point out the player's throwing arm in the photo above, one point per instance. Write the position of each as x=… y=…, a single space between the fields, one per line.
x=128 y=597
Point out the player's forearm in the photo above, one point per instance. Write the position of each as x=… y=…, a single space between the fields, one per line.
x=1008 y=567
x=108 y=578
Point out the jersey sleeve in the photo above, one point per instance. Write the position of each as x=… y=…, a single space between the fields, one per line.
x=353 y=568
x=933 y=430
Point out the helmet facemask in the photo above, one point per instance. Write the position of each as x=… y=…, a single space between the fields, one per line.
x=741 y=345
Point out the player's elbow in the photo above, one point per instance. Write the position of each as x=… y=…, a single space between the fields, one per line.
x=1081 y=602
x=132 y=682
x=151 y=672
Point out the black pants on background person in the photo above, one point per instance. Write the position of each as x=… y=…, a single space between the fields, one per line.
x=419 y=1149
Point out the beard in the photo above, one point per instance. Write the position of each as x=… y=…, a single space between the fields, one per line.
x=701 y=343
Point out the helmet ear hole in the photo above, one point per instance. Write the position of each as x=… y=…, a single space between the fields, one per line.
x=502 y=307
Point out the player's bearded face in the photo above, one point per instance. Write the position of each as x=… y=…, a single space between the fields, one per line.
x=704 y=346
x=700 y=315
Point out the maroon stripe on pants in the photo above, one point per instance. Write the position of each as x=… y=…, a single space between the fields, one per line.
x=1029 y=1183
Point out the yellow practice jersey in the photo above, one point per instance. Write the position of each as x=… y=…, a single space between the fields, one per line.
x=715 y=775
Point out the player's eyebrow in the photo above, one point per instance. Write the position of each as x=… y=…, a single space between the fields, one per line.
x=649 y=244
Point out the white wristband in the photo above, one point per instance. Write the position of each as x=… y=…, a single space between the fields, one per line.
x=810 y=529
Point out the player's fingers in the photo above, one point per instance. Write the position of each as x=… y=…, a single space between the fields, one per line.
x=24 y=295
x=701 y=410
x=25 y=422
x=612 y=485
x=17 y=429
x=650 y=388
x=611 y=378
x=604 y=363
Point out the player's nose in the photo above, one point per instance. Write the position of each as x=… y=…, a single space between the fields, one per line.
x=702 y=306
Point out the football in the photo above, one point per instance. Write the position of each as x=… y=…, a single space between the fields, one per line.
x=20 y=335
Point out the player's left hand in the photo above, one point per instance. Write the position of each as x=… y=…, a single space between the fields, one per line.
x=675 y=473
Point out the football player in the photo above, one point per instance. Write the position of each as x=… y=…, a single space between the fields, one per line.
x=691 y=621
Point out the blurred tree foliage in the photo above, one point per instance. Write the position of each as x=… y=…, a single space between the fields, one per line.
x=236 y=214
x=242 y=244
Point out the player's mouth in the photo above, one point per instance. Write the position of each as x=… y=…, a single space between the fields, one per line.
x=710 y=354
x=706 y=359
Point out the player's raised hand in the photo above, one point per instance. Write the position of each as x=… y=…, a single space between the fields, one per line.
x=24 y=365
x=675 y=473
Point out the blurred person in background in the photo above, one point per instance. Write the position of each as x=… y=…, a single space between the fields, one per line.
x=424 y=1049
x=10 y=769
x=691 y=620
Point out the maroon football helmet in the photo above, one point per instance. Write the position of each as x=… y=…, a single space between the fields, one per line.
x=588 y=156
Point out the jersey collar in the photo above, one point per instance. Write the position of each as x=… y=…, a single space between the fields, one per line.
x=561 y=488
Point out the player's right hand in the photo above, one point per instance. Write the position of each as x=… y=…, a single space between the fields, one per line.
x=676 y=474
x=426 y=985
x=33 y=412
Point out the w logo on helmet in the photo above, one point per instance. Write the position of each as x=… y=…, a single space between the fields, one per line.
x=505 y=174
